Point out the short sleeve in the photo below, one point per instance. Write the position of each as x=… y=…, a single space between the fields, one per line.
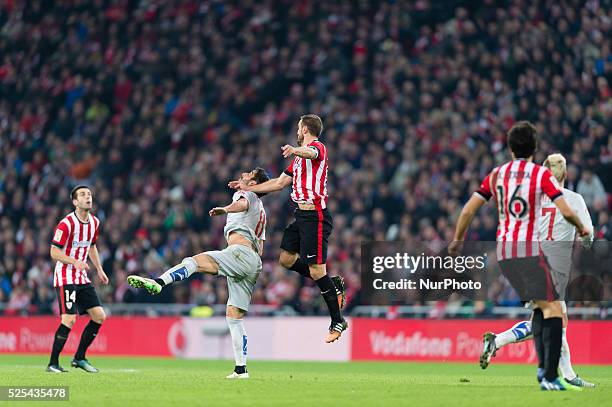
x=240 y=194
x=550 y=186
x=60 y=235
x=96 y=222
x=319 y=148
x=484 y=191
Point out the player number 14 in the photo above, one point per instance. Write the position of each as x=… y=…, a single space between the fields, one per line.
x=69 y=296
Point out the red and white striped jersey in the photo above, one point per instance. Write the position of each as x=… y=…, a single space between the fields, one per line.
x=75 y=238
x=310 y=177
x=517 y=188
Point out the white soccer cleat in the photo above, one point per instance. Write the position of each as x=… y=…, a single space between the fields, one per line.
x=579 y=382
x=235 y=375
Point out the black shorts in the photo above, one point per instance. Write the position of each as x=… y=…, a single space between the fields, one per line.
x=73 y=296
x=530 y=277
x=308 y=235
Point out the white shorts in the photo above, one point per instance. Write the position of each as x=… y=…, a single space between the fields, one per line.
x=559 y=257
x=241 y=265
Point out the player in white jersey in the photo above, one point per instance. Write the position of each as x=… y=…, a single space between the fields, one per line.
x=553 y=229
x=240 y=262
x=74 y=241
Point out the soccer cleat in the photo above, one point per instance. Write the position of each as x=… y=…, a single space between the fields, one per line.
x=340 y=289
x=56 y=369
x=578 y=382
x=557 y=385
x=84 y=364
x=540 y=374
x=141 y=282
x=335 y=331
x=488 y=349
x=235 y=375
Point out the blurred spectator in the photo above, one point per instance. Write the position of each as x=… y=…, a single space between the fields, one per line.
x=592 y=190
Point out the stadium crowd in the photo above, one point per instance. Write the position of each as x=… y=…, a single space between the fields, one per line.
x=158 y=104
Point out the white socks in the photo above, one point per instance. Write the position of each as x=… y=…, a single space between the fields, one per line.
x=239 y=340
x=565 y=365
x=522 y=331
x=519 y=332
x=181 y=271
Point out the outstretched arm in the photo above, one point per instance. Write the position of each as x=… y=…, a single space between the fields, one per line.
x=273 y=185
x=305 y=152
x=240 y=205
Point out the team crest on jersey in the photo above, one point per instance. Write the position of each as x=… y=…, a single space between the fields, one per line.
x=69 y=305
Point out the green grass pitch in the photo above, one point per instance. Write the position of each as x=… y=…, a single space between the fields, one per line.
x=169 y=382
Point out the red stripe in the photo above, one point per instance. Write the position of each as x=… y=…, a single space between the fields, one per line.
x=86 y=251
x=320 y=197
x=61 y=290
x=532 y=207
x=295 y=176
x=517 y=226
x=260 y=224
x=304 y=185
x=320 y=237
x=96 y=226
x=316 y=197
x=64 y=278
x=505 y=208
x=77 y=273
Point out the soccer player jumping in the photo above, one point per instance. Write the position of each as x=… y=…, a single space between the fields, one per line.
x=517 y=188
x=74 y=240
x=304 y=244
x=240 y=262
x=553 y=228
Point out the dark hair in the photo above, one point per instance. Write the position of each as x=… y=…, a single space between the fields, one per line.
x=74 y=191
x=522 y=139
x=260 y=177
x=313 y=123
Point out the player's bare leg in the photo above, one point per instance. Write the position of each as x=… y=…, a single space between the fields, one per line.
x=201 y=263
x=234 y=317
x=328 y=291
x=98 y=316
x=292 y=261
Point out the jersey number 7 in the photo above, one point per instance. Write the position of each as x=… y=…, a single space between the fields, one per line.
x=551 y=222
